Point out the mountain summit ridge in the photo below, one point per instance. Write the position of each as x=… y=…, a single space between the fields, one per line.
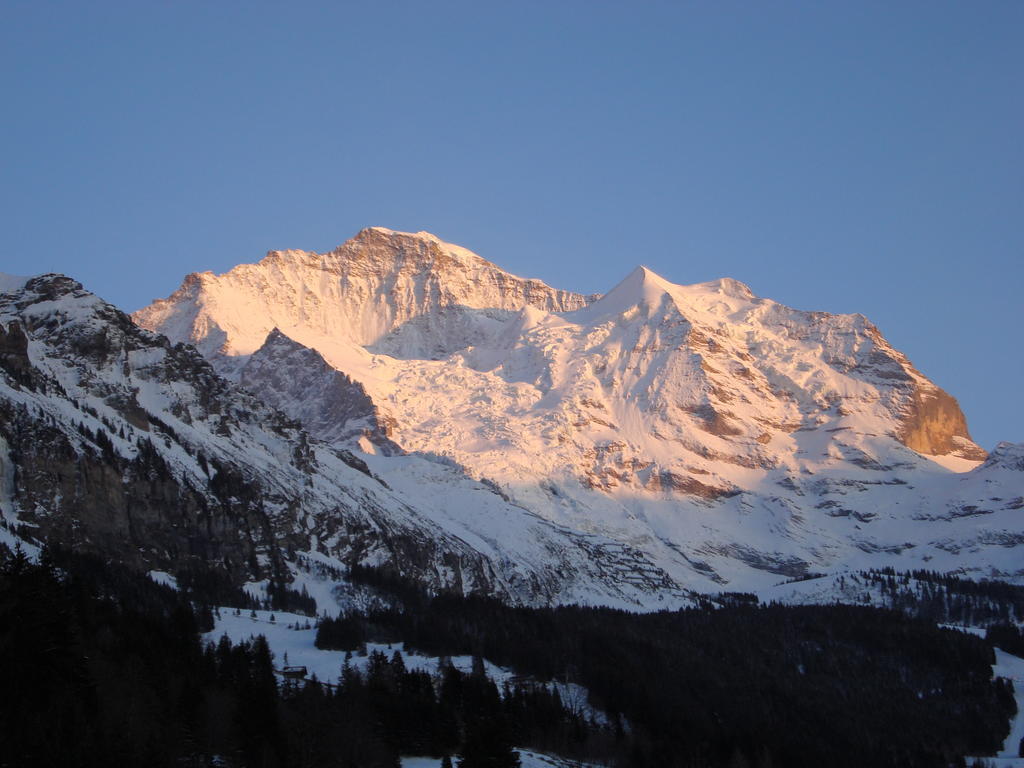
x=359 y=292
x=630 y=414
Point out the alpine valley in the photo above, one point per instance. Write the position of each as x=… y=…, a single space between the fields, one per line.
x=672 y=522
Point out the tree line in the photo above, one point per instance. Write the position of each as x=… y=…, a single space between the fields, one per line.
x=104 y=667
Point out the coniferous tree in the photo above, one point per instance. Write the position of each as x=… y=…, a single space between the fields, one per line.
x=487 y=745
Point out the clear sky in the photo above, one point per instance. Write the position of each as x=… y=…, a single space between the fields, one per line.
x=846 y=155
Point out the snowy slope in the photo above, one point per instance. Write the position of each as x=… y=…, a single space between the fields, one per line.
x=115 y=441
x=727 y=437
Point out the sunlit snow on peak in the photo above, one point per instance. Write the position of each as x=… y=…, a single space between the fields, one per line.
x=631 y=414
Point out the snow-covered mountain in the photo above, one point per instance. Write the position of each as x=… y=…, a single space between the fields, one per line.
x=403 y=293
x=730 y=439
x=114 y=440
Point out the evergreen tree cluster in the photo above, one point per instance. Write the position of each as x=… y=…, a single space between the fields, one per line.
x=105 y=667
x=455 y=713
x=781 y=685
x=942 y=598
x=417 y=713
x=281 y=597
x=1008 y=637
x=102 y=667
x=209 y=587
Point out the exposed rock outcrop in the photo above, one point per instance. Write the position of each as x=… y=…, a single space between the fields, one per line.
x=298 y=381
x=933 y=421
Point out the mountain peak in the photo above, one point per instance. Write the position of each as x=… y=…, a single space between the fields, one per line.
x=641 y=286
x=376 y=232
x=730 y=287
x=647 y=275
x=424 y=248
x=276 y=338
x=421 y=235
x=367 y=288
x=1008 y=456
x=645 y=287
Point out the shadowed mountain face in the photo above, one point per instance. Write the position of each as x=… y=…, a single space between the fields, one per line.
x=328 y=404
x=728 y=437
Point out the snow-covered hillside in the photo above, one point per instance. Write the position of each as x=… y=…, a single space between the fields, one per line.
x=115 y=441
x=729 y=438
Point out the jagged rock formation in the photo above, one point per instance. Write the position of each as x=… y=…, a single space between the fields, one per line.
x=328 y=404
x=727 y=436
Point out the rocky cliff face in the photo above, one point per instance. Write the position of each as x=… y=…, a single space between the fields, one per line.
x=933 y=424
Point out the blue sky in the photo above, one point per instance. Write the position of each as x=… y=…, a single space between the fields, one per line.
x=843 y=156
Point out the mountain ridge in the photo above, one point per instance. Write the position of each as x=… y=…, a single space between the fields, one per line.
x=630 y=414
x=410 y=284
